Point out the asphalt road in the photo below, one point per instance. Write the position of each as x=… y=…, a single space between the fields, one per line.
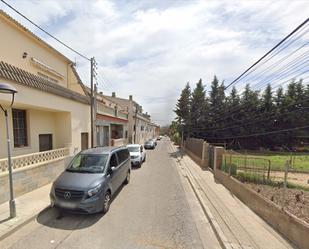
x=151 y=212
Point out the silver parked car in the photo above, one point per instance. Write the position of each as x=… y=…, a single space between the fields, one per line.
x=150 y=144
x=91 y=179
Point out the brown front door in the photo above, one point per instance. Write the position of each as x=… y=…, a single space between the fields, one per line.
x=45 y=142
x=84 y=140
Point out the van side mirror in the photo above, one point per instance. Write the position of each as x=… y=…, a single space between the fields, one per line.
x=111 y=170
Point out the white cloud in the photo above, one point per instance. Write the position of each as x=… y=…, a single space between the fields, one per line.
x=152 y=48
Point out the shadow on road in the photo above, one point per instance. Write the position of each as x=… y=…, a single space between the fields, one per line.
x=136 y=167
x=5 y=220
x=65 y=220
x=178 y=154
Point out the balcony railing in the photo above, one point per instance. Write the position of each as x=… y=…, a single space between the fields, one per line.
x=119 y=142
x=107 y=110
x=35 y=158
x=110 y=111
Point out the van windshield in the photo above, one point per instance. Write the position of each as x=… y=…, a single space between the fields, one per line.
x=88 y=163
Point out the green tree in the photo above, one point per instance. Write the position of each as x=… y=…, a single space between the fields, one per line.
x=249 y=109
x=233 y=99
x=197 y=107
x=183 y=107
x=267 y=100
x=174 y=132
x=216 y=106
x=279 y=98
x=232 y=113
x=216 y=95
x=217 y=115
x=265 y=119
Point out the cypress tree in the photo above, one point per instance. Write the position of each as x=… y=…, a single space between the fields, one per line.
x=197 y=105
x=183 y=108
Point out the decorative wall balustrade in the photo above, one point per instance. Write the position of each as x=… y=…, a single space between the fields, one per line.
x=34 y=158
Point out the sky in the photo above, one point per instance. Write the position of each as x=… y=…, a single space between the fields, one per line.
x=151 y=48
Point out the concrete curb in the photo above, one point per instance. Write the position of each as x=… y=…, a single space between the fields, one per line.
x=214 y=224
x=22 y=224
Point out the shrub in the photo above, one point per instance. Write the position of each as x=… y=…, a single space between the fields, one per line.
x=225 y=168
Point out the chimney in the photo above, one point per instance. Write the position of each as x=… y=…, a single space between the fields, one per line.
x=130 y=97
x=113 y=94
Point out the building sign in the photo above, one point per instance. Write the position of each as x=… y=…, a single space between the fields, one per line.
x=46 y=68
x=47 y=77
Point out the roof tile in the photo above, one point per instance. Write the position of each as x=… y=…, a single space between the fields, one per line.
x=22 y=77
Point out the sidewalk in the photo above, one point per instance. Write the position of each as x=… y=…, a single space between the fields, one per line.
x=234 y=223
x=27 y=208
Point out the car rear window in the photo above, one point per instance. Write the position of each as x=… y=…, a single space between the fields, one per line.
x=133 y=148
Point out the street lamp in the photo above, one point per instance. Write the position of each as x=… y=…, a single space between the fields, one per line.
x=8 y=89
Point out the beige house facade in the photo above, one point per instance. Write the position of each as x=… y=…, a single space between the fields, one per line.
x=50 y=119
x=140 y=128
x=51 y=109
x=111 y=122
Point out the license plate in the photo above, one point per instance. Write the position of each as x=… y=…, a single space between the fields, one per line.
x=67 y=204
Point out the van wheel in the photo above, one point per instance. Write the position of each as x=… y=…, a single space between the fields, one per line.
x=127 y=180
x=106 y=202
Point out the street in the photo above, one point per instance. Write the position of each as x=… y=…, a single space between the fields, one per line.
x=154 y=124
x=152 y=211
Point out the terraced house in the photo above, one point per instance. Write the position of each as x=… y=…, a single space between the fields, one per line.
x=140 y=128
x=111 y=122
x=50 y=119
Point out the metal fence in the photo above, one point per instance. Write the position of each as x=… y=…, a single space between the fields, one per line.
x=260 y=169
x=257 y=168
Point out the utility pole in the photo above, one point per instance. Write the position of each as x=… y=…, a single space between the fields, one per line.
x=95 y=114
x=92 y=102
x=135 y=124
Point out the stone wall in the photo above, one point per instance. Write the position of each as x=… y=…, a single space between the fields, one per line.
x=194 y=157
x=195 y=146
x=31 y=177
x=197 y=149
x=290 y=226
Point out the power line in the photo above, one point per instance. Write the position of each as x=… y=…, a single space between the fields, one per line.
x=264 y=133
x=276 y=63
x=299 y=68
x=46 y=32
x=270 y=51
x=304 y=57
x=275 y=54
x=240 y=107
x=280 y=50
x=268 y=69
x=275 y=80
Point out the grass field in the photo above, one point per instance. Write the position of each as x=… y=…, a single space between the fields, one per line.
x=300 y=161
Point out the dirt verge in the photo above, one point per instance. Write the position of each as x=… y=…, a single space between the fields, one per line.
x=292 y=200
